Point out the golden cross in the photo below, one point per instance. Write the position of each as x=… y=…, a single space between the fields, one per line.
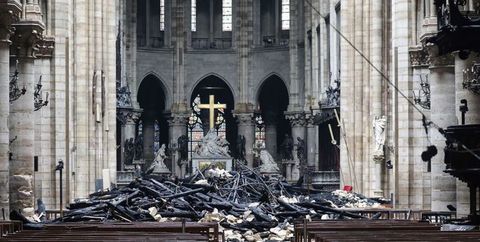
x=211 y=106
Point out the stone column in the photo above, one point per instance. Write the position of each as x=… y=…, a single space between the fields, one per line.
x=21 y=120
x=128 y=118
x=297 y=122
x=257 y=41
x=442 y=88
x=147 y=23
x=278 y=26
x=376 y=110
x=178 y=127
x=312 y=143
x=471 y=117
x=148 y=136
x=271 y=134
x=211 y=30
x=246 y=127
x=9 y=13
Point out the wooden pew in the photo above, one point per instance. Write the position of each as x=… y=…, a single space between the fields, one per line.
x=377 y=230
x=147 y=231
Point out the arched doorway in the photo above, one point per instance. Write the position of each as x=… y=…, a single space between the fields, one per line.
x=273 y=101
x=152 y=98
x=224 y=126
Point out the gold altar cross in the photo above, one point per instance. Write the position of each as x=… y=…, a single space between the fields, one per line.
x=211 y=106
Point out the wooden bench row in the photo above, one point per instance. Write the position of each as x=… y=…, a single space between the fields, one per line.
x=10 y=227
x=147 y=231
x=393 y=235
x=375 y=230
x=45 y=235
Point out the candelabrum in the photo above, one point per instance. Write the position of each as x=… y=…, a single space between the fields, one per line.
x=15 y=92
x=471 y=79
x=422 y=97
x=39 y=102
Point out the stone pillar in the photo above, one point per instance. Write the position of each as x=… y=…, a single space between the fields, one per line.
x=148 y=136
x=271 y=134
x=128 y=118
x=442 y=88
x=246 y=127
x=297 y=122
x=376 y=47
x=211 y=30
x=147 y=23
x=471 y=117
x=9 y=12
x=257 y=41
x=312 y=143
x=21 y=120
x=177 y=127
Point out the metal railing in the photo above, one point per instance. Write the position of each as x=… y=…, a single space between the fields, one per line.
x=271 y=41
x=217 y=43
x=154 y=41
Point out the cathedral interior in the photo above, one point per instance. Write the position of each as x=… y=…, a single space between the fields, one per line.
x=379 y=98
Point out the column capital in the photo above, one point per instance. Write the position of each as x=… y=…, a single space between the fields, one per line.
x=27 y=36
x=9 y=13
x=244 y=118
x=309 y=119
x=128 y=115
x=46 y=47
x=296 y=118
x=178 y=119
x=436 y=61
x=419 y=56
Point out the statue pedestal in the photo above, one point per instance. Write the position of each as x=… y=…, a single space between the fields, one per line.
x=203 y=162
x=288 y=164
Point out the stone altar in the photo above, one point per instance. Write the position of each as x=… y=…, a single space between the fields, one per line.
x=213 y=150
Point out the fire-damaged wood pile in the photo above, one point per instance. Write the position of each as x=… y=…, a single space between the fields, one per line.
x=246 y=204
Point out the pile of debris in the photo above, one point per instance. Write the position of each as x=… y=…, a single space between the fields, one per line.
x=247 y=205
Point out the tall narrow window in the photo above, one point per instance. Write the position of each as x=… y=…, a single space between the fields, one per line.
x=285 y=14
x=194 y=15
x=162 y=15
x=227 y=15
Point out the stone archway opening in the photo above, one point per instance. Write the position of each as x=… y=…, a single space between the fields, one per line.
x=214 y=85
x=152 y=99
x=273 y=101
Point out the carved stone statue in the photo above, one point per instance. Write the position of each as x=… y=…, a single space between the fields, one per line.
x=241 y=147
x=301 y=150
x=213 y=146
x=158 y=165
x=195 y=104
x=183 y=147
x=379 y=125
x=287 y=147
x=129 y=150
x=268 y=163
x=139 y=148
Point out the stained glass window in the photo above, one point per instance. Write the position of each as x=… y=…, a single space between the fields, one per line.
x=156 y=137
x=259 y=132
x=194 y=15
x=227 y=15
x=285 y=14
x=162 y=15
x=195 y=127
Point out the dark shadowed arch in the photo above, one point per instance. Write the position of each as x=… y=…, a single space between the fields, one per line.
x=152 y=99
x=273 y=100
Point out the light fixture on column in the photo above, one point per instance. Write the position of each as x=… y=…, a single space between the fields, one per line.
x=422 y=98
x=37 y=96
x=15 y=92
x=471 y=79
